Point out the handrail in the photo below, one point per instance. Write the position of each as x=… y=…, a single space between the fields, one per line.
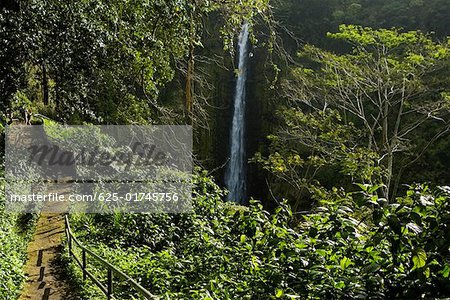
x=108 y=290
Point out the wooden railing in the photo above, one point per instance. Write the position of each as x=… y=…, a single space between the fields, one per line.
x=113 y=271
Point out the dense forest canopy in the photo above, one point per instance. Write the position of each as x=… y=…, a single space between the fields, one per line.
x=347 y=140
x=106 y=61
x=310 y=20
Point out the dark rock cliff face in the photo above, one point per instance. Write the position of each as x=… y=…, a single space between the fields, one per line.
x=259 y=115
x=216 y=140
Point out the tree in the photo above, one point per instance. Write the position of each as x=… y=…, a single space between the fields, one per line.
x=107 y=61
x=390 y=87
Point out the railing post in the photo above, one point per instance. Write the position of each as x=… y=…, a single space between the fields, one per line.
x=70 y=244
x=109 y=289
x=110 y=284
x=83 y=253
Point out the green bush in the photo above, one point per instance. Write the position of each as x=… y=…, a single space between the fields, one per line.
x=14 y=236
x=351 y=246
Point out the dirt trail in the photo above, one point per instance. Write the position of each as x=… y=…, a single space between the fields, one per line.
x=45 y=279
x=44 y=275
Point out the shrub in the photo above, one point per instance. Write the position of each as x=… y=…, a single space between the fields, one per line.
x=14 y=236
x=353 y=245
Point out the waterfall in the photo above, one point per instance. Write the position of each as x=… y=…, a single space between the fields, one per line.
x=235 y=175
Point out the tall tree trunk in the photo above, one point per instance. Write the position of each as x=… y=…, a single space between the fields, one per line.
x=190 y=70
x=189 y=86
x=395 y=136
x=57 y=92
x=390 y=164
x=44 y=83
x=387 y=147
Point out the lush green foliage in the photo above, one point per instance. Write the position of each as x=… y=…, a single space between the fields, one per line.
x=105 y=61
x=15 y=232
x=316 y=150
x=351 y=246
x=12 y=257
x=310 y=20
x=364 y=113
x=14 y=235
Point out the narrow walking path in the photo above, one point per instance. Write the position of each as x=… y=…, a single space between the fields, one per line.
x=44 y=274
x=41 y=268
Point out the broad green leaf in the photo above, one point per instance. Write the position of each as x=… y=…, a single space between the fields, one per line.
x=419 y=258
x=243 y=238
x=279 y=293
x=345 y=263
x=446 y=271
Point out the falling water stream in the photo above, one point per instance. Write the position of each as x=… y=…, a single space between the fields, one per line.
x=235 y=175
